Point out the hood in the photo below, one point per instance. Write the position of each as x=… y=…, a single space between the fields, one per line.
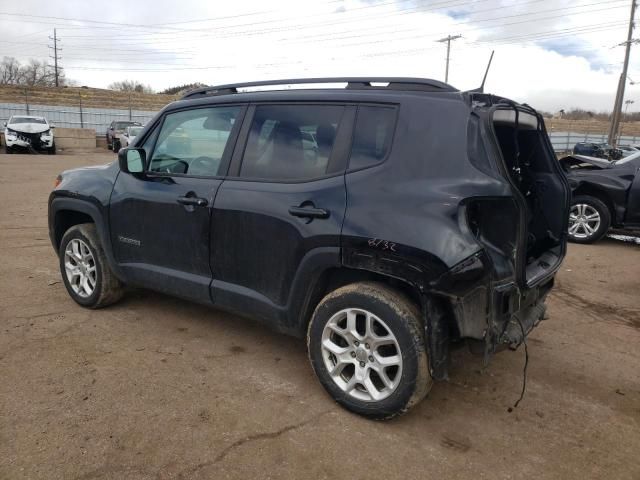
x=28 y=127
x=574 y=161
x=80 y=170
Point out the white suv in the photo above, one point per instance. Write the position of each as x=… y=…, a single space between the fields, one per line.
x=28 y=133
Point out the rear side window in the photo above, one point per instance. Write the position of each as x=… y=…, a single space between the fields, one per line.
x=291 y=142
x=373 y=135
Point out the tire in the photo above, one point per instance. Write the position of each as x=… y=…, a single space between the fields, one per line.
x=8 y=150
x=107 y=289
x=116 y=146
x=589 y=219
x=392 y=315
x=52 y=150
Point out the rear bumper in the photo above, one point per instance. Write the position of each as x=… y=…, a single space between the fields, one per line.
x=516 y=313
x=499 y=313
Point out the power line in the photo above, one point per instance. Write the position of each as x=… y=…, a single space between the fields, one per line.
x=505 y=40
x=377 y=31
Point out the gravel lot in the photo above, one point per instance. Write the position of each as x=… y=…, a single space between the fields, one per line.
x=155 y=387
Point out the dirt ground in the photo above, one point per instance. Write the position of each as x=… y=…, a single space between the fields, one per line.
x=158 y=388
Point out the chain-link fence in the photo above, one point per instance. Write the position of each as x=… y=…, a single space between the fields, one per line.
x=75 y=117
x=99 y=119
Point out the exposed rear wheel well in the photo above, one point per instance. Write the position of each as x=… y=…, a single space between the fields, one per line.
x=65 y=219
x=437 y=308
x=335 y=278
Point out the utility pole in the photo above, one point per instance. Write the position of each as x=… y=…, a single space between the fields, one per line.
x=617 y=106
x=448 y=39
x=55 y=56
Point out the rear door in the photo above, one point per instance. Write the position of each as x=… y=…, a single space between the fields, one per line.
x=278 y=215
x=161 y=220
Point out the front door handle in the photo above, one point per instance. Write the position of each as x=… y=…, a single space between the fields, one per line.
x=309 y=212
x=193 y=201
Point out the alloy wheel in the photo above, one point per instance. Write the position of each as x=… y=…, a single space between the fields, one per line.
x=361 y=354
x=584 y=221
x=80 y=268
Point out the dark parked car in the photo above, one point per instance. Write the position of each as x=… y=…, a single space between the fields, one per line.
x=627 y=150
x=598 y=150
x=117 y=128
x=382 y=222
x=605 y=194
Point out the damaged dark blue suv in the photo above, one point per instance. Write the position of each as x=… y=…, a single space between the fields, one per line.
x=384 y=221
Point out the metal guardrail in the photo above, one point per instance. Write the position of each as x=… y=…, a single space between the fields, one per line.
x=565 y=141
x=71 y=117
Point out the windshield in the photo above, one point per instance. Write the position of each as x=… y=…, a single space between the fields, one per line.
x=133 y=131
x=15 y=120
x=123 y=125
x=627 y=159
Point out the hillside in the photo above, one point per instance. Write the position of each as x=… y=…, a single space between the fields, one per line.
x=590 y=126
x=91 y=97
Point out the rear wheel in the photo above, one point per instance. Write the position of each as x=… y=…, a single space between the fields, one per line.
x=366 y=345
x=84 y=268
x=589 y=219
x=7 y=150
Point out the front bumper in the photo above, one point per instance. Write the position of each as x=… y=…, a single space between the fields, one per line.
x=28 y=141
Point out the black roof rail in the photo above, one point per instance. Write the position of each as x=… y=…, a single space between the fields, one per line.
x=355 y=83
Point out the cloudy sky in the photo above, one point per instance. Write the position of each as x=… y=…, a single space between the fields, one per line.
x=551 y=54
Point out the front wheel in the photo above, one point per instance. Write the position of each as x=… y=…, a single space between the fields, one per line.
x=589 y=219
x=84 y=268
x=52 y=150
x=366 y=345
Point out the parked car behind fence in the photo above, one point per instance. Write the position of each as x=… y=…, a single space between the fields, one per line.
x=116 y=128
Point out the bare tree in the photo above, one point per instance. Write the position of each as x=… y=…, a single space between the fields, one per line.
x=39 y=74
x=130 y=86
x=10 y=73
x=35 y=73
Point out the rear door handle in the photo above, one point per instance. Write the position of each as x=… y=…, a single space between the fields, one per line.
x=193 y=201
x=309 y=212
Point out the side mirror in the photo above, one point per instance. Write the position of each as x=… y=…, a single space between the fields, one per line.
x=4 y=124
x=132 y=160
x=52 y=126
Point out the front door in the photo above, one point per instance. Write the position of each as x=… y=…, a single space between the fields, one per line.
x=279 y=213
x=161 y=220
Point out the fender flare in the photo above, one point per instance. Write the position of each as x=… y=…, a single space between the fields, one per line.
x=83 y=206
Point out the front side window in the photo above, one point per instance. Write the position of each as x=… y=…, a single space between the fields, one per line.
x=192 y=142
x=373 y=134
x=291 y=142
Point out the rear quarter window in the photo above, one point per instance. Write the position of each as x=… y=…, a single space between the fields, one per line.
x=372 y=137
